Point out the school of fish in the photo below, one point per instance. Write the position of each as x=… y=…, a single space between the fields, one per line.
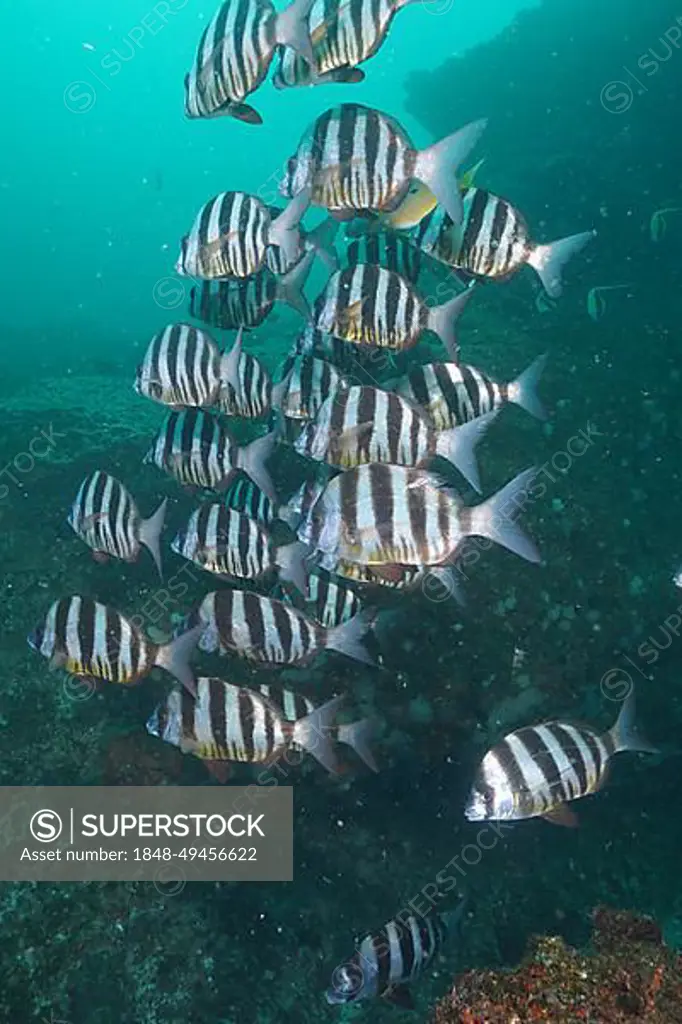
x=289 y=577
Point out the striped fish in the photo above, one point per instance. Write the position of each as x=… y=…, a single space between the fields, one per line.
x=227 y=543
x=310 y=382
x=237 y=302
x=235 y=52
x=331 y=601
x=536 y=771
x=388 y=960
x=194 y=448
x=356 y=158
x=243 y=496
x=369 y=305
x=246 y=388
x=270 y=632
x=105 y=516
x=493 y=241
x=344 y=33
x=248 y=301
x=387 y=249
x=452 y=394
x=388 y=515
x=232 y=723
x=181 y=367
x=91 y=640
x=231 y=234
x=294 y=706
x=343 y=354
x=362 y=424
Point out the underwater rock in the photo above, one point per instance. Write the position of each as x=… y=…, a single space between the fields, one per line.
x=628 y=976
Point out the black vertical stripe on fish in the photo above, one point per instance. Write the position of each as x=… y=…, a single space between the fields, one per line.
x=511 y=768
x=573 y=752
x=543 y=757
x=247 y=723
x=595 y=750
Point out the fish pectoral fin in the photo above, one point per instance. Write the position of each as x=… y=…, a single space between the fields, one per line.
x=58 y=660
x=220 y=770
x=562 y=816
x=400 y=995
x=243 y=112
x=346 y=443
x=352 y=315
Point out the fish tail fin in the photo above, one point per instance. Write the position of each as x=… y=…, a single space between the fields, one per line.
x=624 y=732
x=458 y=446
x=435 y=167
x=549 y=260
x=150 y=533
x=322 y=239
x=292 y=29
x=315 y=733
x=358 y=736
x=442 y=320
x=454 y=919
x=290 y=285
x=523 y=390
x=252 y=459
x=284 y=230
x=346 y=638
x=495 y=518
x=290 y=560
x=229 y=362
x=175 y=657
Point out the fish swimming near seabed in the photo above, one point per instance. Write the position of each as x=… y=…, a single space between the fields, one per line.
x=538 y=770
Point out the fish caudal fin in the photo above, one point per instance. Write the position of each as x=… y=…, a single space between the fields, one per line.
x=347 y=637
x=458 y=446
x=284 y=230
x=523 y=390
x=548 y=260
x=290 y=285
x=435 y=167
x=290 y=560
x=229 y=363
x=358 y=735
x=625 y=734
x=321 y=239
x=496 y=517
x=252 y=460
x=292 y=29
x=150 y=533
x=175 y=657
x=315 y=733
x=442 y=320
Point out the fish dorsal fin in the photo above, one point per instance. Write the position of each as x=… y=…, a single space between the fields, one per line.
x=401 y=996
x=562 y=815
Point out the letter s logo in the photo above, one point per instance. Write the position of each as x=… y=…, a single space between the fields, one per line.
x=46 y=826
